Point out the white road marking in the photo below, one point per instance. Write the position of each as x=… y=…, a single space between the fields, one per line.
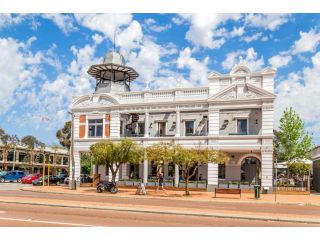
x=49 y=222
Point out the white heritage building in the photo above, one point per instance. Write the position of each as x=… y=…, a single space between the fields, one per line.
x=234 y=114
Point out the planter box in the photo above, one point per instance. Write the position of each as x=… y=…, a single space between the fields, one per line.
x=152 y=184
x=233 y=186
x=244 y=186
x=223 y=185
x=202 y=185
x=128 y=183
x=121 y=183
x=136 y=183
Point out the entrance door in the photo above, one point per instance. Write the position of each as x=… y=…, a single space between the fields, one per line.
x=250 y=169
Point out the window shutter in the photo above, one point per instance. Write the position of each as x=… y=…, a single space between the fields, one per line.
x=107 y=125
x=82 y=126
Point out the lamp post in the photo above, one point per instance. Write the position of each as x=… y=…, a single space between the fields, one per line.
x=73 y=182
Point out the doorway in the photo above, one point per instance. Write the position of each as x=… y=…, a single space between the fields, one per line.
x=250 y=170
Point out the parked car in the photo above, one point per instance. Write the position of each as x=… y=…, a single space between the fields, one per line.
x=29 y=178
x=62 y=177
x=12 y=176
x=54 y=180
x=84 y=178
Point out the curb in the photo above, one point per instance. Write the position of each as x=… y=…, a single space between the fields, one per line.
x=168 y=212
x=180 y=199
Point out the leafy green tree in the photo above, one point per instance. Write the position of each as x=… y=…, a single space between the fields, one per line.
x=299 y=169
x=189 y=160
x=158 y=154
x=8 y=141
x=114 y=154
x=64 y=135
x=32 y=143
x=86 y=163
x=291 y=141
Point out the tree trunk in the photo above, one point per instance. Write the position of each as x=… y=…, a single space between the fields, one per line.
x=187 y=184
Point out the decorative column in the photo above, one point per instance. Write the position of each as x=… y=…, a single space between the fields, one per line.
x=76 y=155
x=145 y=170
x=178 y=120
x=267 y=119
x=176 y=175
x=146 y=125
x=267 y=169
x=212 y=177
x=115 y=124
x=214 y=115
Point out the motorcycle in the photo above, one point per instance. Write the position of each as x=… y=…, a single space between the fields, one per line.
x=109 y=186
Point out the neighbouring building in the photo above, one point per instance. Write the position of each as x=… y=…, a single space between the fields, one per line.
x=234 y=113
x=31 y=161
x=315 y=156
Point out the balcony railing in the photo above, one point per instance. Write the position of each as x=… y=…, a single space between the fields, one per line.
x=166 y=94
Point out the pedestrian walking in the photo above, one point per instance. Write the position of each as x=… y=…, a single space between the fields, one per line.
x=160 y=181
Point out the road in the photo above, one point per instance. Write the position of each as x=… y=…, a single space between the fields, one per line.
x=18 y=215
x=13 y=214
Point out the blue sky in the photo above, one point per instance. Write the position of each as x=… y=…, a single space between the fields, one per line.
x=44 y=59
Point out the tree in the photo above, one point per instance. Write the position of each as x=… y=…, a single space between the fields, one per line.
x=64 y=135
x=299 y=169
x=291 y=141
x=114 y=154
x=86 y=163
x=158 y=154
x=189 y=160
x=32 y=143
x=8 y=141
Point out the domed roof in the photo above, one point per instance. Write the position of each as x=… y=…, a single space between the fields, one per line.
x=114 y=58
x=113 y=67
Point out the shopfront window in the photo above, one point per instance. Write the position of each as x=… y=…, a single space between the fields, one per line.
x=141 y=129
x=222 y=171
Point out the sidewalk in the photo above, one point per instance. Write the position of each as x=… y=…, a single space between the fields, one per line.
x=312 y=200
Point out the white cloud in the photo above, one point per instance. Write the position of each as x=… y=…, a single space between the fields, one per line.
x=63 y=21
x=280 y=60
x=198 y=70
x=237 y=32
x=270 y=21
x=205 y=28
x=308 y=42
x=251 y=58
x=151 y=24
x=7 y=19
x=18 y=67
x=146 y=62
x=254 y=37
x=131 y=37
x=178 y=20
x=104 y=23
x=301 y=91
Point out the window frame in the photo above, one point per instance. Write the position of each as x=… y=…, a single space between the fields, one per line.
x=185 y=127
x=96 y=124
x=247 y=127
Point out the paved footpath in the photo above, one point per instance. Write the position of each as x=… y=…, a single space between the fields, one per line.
x=182 y=206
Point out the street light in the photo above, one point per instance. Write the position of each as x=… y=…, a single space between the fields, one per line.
x=73 y=182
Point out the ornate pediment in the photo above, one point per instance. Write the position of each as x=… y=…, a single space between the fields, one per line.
x=241 y=91
x=94 y=101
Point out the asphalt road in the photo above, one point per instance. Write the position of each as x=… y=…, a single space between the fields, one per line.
x=12 y=214
x=264 y=209
x=17 y=215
